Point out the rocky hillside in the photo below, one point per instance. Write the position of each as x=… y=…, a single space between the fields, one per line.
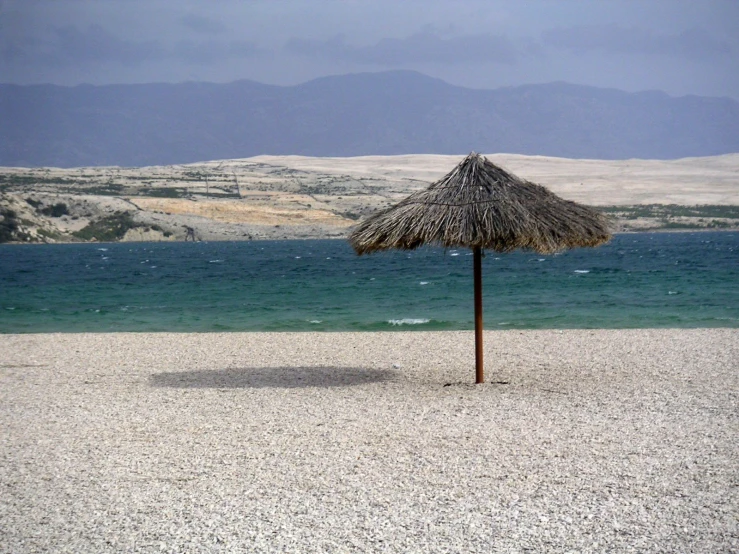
x=298 y=197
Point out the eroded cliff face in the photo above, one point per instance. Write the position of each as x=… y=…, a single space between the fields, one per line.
x=292 y=197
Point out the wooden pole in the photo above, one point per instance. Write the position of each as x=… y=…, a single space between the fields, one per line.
x=479 y=372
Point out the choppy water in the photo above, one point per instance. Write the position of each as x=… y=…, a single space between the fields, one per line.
x=638 y=280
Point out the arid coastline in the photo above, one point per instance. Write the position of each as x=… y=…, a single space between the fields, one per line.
x=287 y=197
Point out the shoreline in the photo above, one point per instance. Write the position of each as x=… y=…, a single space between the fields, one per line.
x=584 y=440
x=390 y=330
x=295 y=197
x=332 y=238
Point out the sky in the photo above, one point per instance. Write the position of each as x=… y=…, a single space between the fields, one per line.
x=677 y=46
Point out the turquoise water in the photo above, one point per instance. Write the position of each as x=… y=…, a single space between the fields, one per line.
x=638 y=280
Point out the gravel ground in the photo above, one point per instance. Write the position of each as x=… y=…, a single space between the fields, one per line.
x=581 y=441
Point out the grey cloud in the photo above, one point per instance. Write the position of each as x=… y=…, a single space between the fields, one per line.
x=211 y=51
x=693 y=43
x=15 y=51
x=425 y=47
x=202 y=24
x=69 y=46
x=96 y=44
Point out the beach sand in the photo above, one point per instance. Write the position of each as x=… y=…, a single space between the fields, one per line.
x=581 y=441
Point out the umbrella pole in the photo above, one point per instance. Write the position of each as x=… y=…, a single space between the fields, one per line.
x=479 y=373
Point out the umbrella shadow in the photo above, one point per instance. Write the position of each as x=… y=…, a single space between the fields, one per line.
x=271 y=377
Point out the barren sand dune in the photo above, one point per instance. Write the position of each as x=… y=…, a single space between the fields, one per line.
x=688 y=181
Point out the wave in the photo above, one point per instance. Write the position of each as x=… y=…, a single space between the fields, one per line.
x=408 y=321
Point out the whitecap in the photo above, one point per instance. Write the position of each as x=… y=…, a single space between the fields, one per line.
x=541 y=260
x=454 y=254
x=582 y=271
x=297 y=257
x=103 y=249
x=315 y=321
x=407 y=321
x=372 y=278
x=423 y=283
x=215 y=262
x=671 y=292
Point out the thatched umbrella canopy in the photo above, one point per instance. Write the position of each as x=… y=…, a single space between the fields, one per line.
x=480 y=205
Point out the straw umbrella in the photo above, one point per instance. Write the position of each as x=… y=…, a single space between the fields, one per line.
x=479 y=205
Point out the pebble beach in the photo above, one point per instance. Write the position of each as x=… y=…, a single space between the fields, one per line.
x=579 y=441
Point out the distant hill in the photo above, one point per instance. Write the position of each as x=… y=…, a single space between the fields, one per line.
x=397 y=112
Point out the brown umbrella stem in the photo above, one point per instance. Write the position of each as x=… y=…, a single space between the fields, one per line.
x=479 y=373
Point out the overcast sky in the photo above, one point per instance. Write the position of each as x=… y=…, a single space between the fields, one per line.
x=679 y=46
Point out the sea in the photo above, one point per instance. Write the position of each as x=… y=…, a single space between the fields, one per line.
x=641 y=280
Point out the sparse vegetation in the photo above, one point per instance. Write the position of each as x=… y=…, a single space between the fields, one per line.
x=110 y=189
x=48 y=234
x=114 y=227
x=18 y=179
x=108 y=229
x=57 y=210
x=676 y=225
x=655 y=217
x=220 y=194
x=663 y=211
x=10 y=229
x=163 y=192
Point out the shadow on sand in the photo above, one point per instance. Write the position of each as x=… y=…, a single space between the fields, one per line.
x=278 y=377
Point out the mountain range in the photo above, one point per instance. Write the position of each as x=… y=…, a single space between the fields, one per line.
x=397 y=112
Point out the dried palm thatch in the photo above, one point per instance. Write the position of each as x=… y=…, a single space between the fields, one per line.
x=480 y=205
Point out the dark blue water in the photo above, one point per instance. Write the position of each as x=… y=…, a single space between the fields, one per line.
x=638 y=280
